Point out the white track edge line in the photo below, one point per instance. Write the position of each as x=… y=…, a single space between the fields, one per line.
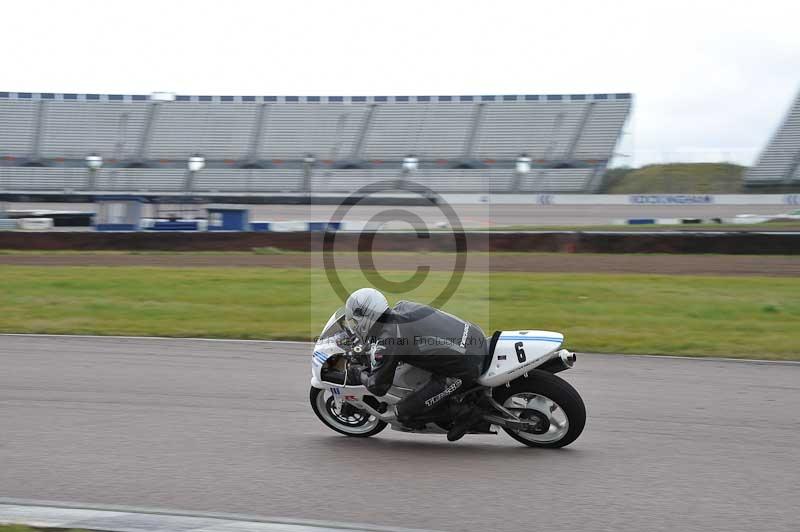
x=354 y=527
x=299 y=342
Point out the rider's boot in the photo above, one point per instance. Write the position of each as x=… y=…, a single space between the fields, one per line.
x=468 y=416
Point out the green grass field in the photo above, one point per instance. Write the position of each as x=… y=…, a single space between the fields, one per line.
x=676 y=178
x=748 y=317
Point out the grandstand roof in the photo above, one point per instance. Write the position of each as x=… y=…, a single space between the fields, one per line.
x=322 y=99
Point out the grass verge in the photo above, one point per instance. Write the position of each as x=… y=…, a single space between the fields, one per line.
x=750 y=317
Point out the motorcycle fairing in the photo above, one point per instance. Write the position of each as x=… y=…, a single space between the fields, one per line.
x=517 y=352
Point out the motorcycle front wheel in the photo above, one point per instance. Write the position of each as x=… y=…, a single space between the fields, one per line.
x=346 y=420
x=550 y=401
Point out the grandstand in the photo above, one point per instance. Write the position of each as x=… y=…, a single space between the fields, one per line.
x=779 y=163
x=292 y=144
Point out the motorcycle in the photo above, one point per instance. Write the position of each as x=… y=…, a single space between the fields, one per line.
x=518 y=391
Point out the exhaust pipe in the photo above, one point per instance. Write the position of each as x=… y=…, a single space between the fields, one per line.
x=564 y=360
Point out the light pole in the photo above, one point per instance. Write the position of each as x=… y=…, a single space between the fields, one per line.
x=522 y=167
x=93 y=162
x=308 y=165
x=196 y=163
x=410 y=166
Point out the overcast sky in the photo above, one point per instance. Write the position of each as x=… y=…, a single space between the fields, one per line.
x=711 y=79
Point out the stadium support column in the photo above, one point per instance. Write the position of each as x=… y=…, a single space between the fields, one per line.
x=258 y=132
x=472 y=134
x=576 y=138
x=147 y=132
x=38 y=133
x=358 y=149
x=548 y=154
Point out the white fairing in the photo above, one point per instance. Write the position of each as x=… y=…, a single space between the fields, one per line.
x=325 y=348
x=518 y=352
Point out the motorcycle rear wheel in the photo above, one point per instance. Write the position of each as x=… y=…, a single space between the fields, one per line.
x=359 y=424
x=549 y=398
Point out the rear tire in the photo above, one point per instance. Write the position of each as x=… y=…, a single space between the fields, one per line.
x=542 y=388
x=321 y=405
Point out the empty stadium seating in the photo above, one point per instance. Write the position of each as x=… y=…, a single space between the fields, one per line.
x=439 y=180
x=72 y=129
x=146 y=180
x=425 y=130
x=293 y=130
x=217 y=130
x=18 y=120
x=779 y=163
x=543 y=129
x=557 y=180
x=16 y=178
x=254 y=180
x=258 y=144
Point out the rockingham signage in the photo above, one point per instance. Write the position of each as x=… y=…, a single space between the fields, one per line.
x=671 y=199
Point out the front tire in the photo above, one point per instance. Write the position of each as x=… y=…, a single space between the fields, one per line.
x=549 y=398
x=358 y=423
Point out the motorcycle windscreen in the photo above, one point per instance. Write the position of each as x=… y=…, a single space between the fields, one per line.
x=334 y=325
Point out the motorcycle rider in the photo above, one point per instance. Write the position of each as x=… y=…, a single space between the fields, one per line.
x=452 y=349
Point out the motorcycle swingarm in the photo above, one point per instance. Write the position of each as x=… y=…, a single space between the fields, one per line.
x=514 y=424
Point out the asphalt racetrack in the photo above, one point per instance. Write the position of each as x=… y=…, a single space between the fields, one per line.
x=670 y=444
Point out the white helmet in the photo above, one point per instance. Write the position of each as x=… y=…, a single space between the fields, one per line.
x=362 y=310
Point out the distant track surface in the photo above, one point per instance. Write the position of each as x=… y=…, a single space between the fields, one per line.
x=482 y=215
x=767 y=265
x=670 y=444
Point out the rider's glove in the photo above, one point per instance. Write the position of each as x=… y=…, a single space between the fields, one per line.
x=356 y=375
x=364 y=376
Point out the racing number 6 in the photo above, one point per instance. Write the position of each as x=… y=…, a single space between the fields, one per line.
x=520 y=351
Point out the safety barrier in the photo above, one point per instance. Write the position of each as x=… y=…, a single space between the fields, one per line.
x=35 y=224
x=734 y=242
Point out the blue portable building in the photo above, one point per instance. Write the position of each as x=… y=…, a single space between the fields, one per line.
x=228 y=218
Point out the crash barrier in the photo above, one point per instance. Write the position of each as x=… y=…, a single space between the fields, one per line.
x=260 y=226
x=60 y=218
x=290 y=226
x=752 y=243
x=38 y=223
x=688 y=221
x=35 y=224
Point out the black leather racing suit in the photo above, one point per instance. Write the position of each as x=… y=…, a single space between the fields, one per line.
x=449 y=347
